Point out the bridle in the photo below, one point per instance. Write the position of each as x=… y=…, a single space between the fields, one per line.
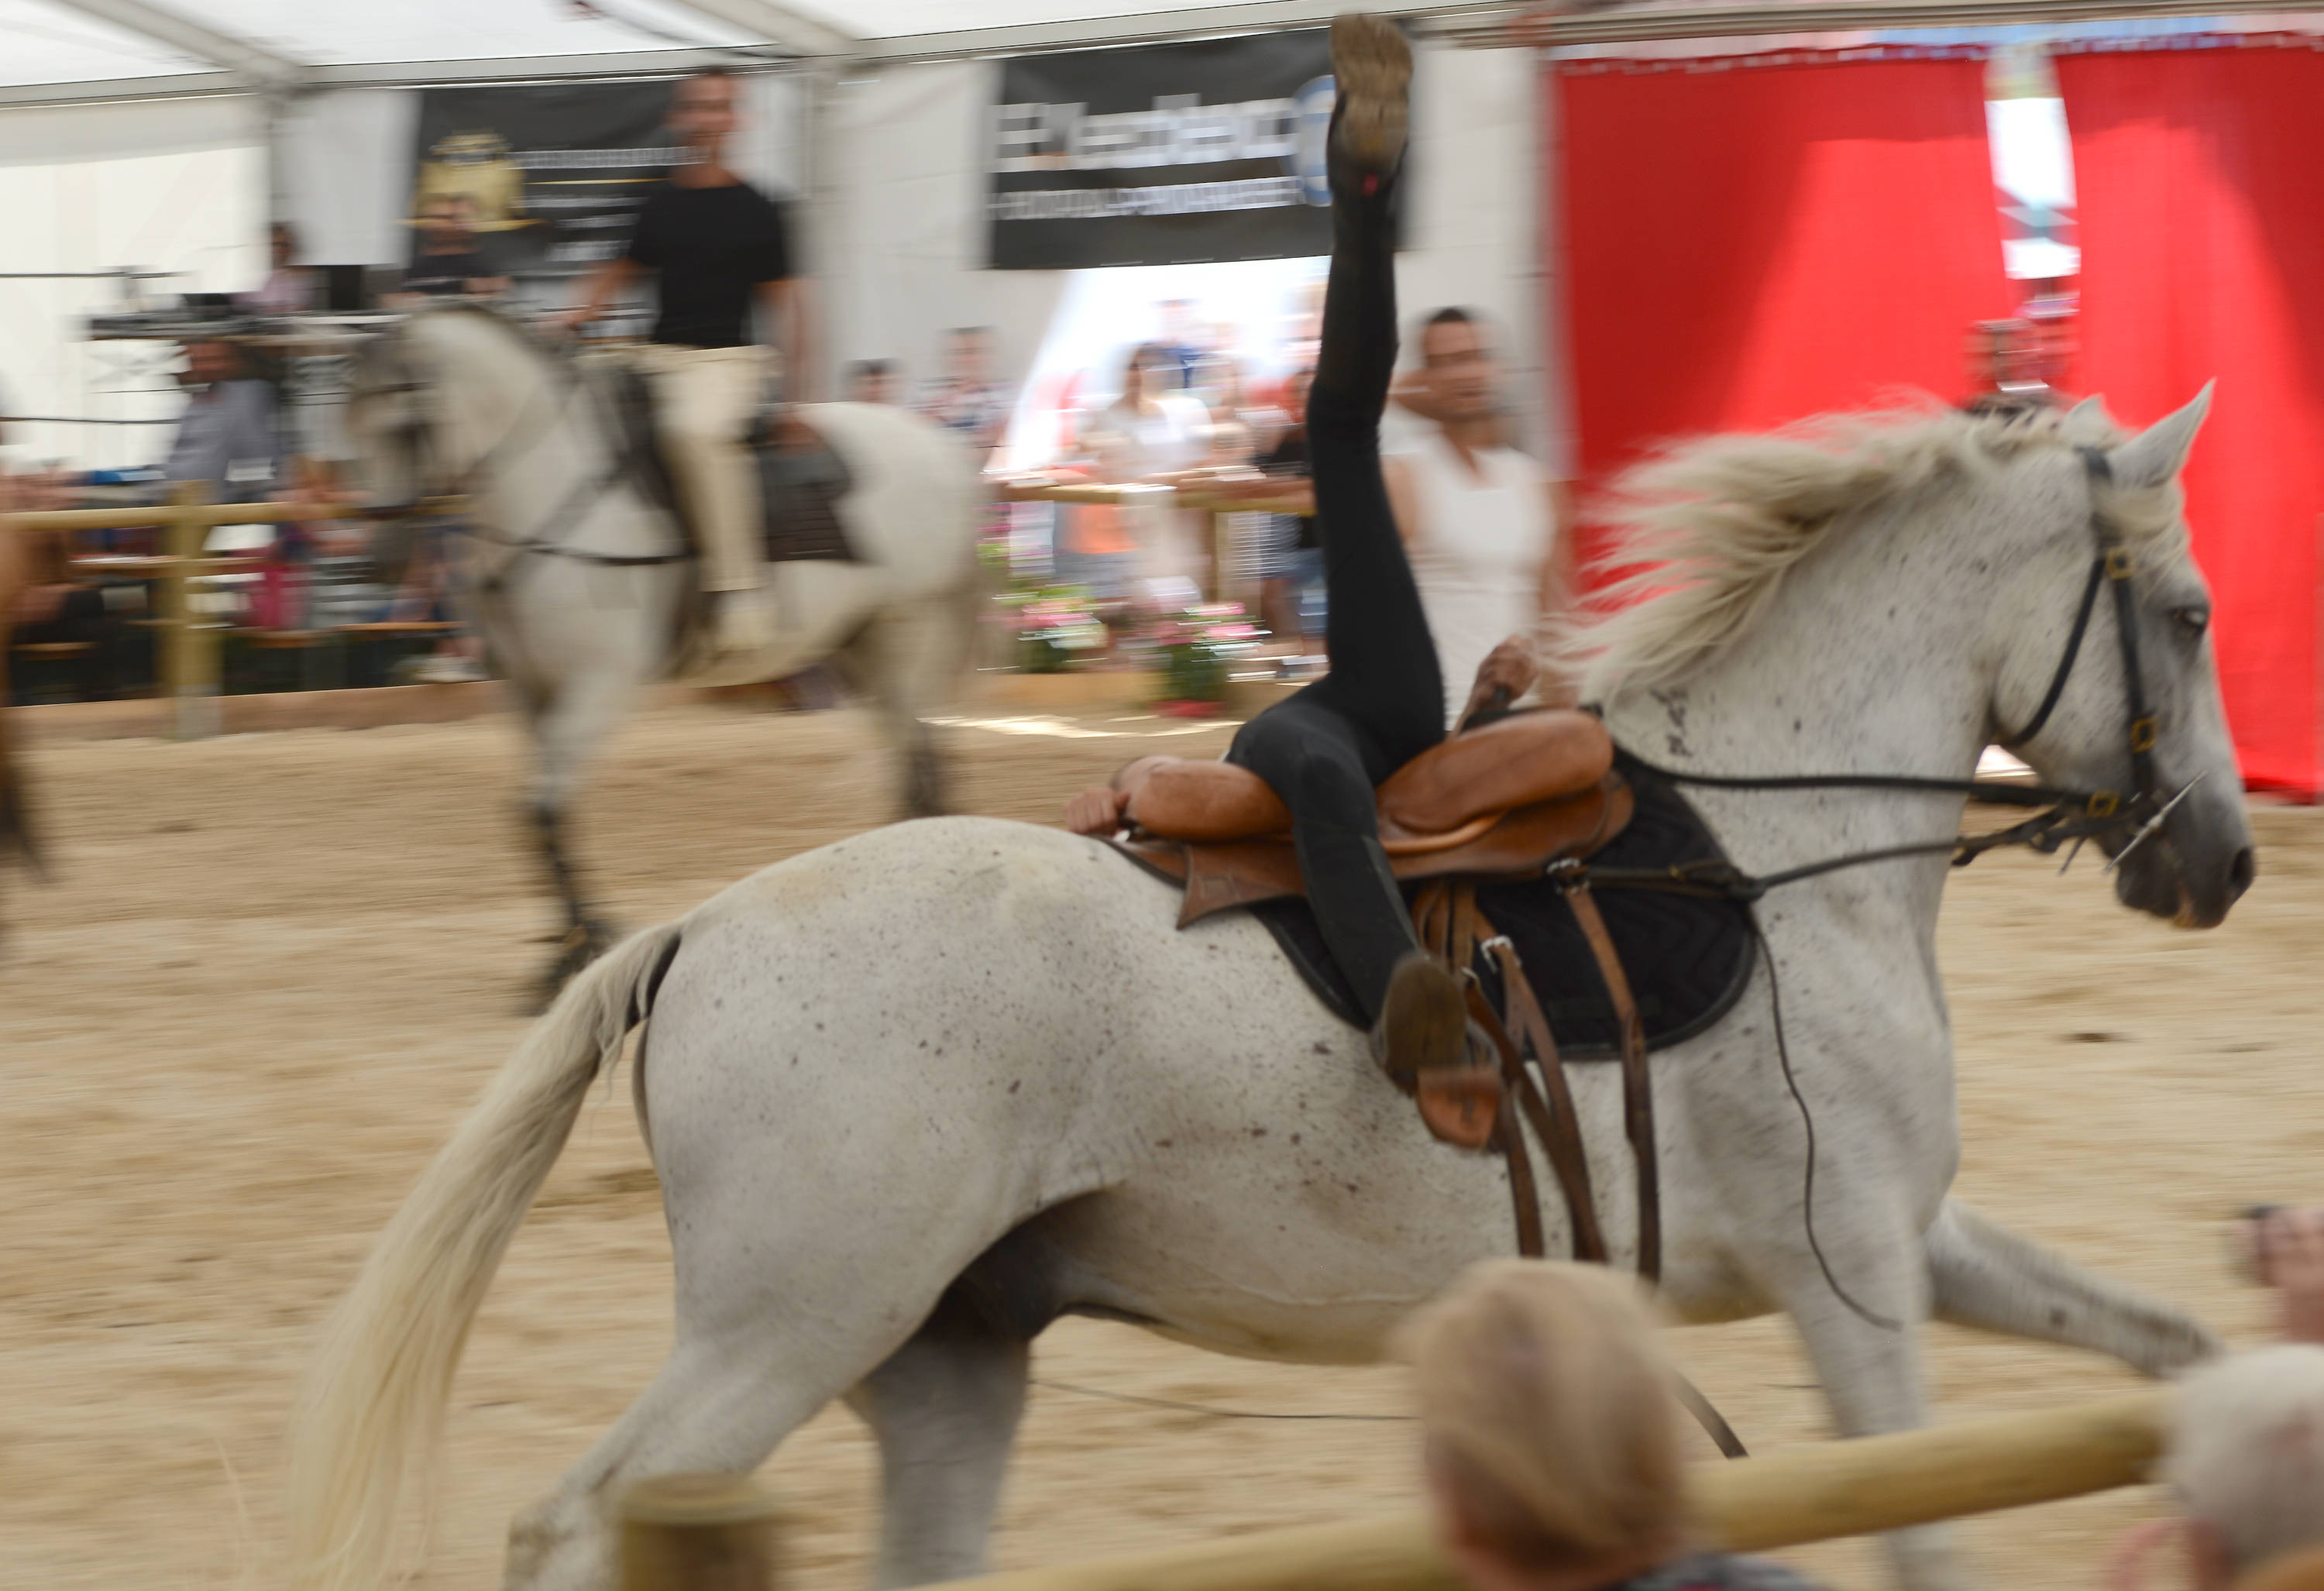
x=551 y=533
x=2064 y=816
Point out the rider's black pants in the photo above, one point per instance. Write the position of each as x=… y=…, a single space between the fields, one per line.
x=1323 y=750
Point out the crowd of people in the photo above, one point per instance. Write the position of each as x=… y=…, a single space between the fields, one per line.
x=1484 y=521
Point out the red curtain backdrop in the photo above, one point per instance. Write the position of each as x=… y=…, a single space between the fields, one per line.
x=2202 y=233
x=1748 y=244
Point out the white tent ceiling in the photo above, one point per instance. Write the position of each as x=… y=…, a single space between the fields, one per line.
x=126 y=49
x=123 y=49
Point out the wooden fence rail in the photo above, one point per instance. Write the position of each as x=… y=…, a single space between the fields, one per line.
x=711 y=1533
x=1807 y=1494
x=189 y=653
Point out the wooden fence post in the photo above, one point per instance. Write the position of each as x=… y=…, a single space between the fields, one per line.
x=189 y=661
x=697 y=1532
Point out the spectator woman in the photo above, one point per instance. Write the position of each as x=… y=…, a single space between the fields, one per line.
x=1551 y=1438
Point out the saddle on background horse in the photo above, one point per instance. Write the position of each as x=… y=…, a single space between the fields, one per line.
x=1500 y=818
x=801 y=478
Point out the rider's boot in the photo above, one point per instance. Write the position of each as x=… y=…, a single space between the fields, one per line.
x=1427 y=1044
x=1371 y=70
x=741 y=624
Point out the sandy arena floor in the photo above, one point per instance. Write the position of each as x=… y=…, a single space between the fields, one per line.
x=274 y=969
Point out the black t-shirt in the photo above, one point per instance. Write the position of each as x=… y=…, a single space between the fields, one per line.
x=446 y=275
x=712 y=245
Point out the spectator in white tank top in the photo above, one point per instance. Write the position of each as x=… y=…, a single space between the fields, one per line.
x=1487 y=529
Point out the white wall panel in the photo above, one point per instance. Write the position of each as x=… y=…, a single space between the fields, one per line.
x=346 y=174
x=174 y=184
x=901 y=211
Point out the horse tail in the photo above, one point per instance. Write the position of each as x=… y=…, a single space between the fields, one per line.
x=370 y=1413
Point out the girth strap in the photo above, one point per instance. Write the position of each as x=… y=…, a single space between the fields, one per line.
x=1637 y=1081
x=1549 y=1107
x=1524 y=1196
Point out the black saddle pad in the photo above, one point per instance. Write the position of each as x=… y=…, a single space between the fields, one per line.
x=1687 y=958
x=801 y=491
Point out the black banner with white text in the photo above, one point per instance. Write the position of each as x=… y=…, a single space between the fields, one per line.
x=551 y=173
x=1171 y=155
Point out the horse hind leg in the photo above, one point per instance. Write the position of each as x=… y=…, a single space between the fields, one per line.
x=945 y=1410
x=567 y=719
x=720 y=1404
x=906 y=659
x=585 y=935
x=1984 y=1276
x=747 y=1371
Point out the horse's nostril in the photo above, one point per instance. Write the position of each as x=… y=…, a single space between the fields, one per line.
x=2243 y=871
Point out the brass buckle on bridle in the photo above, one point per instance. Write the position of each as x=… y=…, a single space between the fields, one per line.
x=2142 y=734
x=2118 y=564
x=2103 y=804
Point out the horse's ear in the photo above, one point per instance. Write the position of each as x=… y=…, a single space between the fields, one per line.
x=2156 y=454
x=2089 y=422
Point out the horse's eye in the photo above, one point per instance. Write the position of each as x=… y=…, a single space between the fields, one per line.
x=2192 y=622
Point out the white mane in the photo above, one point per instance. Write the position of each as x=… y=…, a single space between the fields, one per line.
x=1706 y=531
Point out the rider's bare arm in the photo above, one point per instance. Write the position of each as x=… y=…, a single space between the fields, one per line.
x=1508 y=669
x=605 y=285
x=783 y=309
x=1101 y=809
x=1412 y=391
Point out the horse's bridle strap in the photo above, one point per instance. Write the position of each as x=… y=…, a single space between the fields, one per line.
x=2066 y=660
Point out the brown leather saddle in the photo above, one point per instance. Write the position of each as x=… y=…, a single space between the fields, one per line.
x=1529 y=795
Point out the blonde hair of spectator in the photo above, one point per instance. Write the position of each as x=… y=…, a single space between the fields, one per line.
x=2246 y=1454
x=1550 y=1414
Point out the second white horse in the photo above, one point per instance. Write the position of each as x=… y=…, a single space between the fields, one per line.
x=578 y=584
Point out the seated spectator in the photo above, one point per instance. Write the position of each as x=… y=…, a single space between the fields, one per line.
x=1292 y=573
x=966 y=399
x=227 y=439
x=288 y=287
x=445 y=262
x=2246 y=1452
x=1551 y=1425
x=55 y=602
x=874 y=381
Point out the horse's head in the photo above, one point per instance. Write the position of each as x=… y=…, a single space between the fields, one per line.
x=2107 y=682
x=391 y=420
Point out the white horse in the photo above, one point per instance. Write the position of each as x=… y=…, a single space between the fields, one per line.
x=914 y=1095
x=581 y=586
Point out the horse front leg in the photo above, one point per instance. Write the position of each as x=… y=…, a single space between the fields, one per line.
x=1860 y=1307
x=1983 y=1275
